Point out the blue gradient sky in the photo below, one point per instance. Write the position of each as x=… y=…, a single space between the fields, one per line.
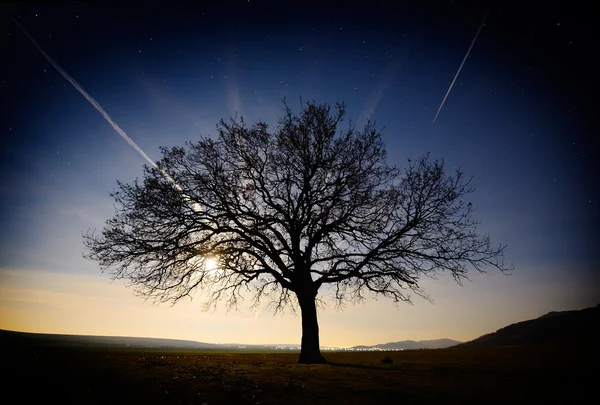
x=519 y=118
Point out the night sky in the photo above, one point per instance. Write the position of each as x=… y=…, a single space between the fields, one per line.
x=519 y=118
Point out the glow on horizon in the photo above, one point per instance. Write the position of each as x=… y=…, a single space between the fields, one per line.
x=45 y=302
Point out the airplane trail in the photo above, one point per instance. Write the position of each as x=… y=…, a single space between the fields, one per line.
x=99 y=108
x=89 y=98
x=460 y=67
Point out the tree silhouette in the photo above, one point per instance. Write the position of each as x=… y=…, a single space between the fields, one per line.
x=283 y=213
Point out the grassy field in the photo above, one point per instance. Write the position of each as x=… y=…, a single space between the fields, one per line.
x=34 y=373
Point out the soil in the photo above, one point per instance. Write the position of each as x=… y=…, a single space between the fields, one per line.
x=462 y=375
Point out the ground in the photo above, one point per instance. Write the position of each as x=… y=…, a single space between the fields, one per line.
x=121 y=375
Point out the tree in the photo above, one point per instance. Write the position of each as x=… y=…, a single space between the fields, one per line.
x=286 y=212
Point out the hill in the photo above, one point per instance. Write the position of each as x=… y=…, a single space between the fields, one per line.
x=553 y=329
x=20 y=338
x=410 y=345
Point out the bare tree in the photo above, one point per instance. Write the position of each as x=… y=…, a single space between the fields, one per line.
x=283 y=213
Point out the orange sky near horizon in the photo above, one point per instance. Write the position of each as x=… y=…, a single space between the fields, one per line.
x=49 y=302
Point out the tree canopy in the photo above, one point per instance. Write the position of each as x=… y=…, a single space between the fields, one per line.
x=283 y=212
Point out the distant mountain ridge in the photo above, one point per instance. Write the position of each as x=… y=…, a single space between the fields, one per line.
x=577 y=327
x=411 y=345
x=18 y=338
x=554 y=328
x=109 y=341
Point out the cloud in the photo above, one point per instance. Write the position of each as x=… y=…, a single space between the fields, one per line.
x=377 y=92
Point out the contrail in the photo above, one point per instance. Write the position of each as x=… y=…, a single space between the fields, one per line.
x=89 y=98
x=97 y=106
x=460 y=67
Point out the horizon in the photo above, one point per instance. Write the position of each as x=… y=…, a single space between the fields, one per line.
x=297 y=345
x=216 y=343
x=502 y=95
x=287 y=344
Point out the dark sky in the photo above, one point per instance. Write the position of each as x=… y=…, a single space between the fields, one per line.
x=519 y=116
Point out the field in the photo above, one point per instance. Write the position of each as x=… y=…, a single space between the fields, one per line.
x=33 y=373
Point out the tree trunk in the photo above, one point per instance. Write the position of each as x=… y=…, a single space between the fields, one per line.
x=310 y=352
